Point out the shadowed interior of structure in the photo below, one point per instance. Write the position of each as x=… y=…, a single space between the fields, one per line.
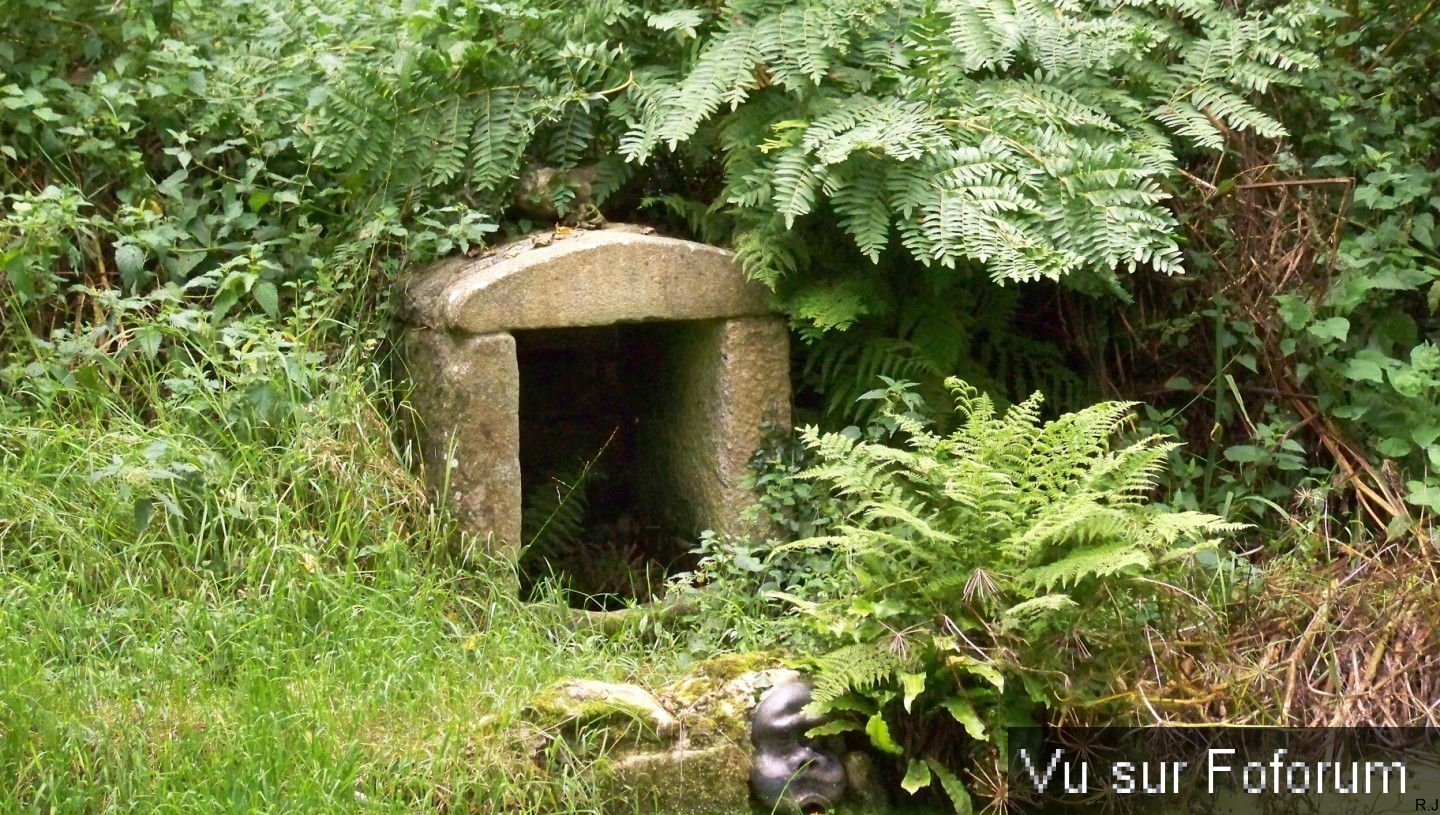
x=595 y=510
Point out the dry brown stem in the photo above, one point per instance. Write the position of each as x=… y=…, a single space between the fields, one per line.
x=1338 y=631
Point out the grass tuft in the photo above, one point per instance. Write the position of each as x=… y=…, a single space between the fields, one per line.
x=212 y=606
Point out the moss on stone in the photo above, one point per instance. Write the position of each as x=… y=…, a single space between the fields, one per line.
x=602 y=713
x=709 y=677
x=713 y=781
x=684 y=751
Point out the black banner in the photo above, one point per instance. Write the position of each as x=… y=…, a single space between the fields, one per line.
x=1224 y=770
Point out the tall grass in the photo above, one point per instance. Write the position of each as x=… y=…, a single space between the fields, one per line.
x=222 y=590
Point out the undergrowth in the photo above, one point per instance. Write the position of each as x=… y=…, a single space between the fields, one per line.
x=221 y=585
x=223 y=589
x=1001 y=574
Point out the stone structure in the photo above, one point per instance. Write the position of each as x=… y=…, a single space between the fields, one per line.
x=660 y=343
x=693 y=748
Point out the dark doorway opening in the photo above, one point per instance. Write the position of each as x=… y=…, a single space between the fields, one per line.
x=593 y=513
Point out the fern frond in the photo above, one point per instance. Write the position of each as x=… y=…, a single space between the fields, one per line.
x=809 y=40
x=724 y=72
x=767 y=253
x=986 y=33
x=685 y=21
x=795 y=184
x=854 y=668
x=886 y=127
x=857 y=192
x=500 y=133
x=1027 y=612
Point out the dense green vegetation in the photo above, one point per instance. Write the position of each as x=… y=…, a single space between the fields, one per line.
x=222 y=587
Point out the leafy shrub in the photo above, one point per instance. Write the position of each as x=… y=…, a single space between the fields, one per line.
x=734 y=589
x=1368 y=339
x=1028 y=138
x=1302 y=350
x=1033 y=139
x=1005 y=565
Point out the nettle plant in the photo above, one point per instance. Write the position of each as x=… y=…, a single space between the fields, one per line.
x=1006 y=565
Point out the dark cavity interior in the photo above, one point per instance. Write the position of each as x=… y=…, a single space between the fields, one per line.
x=593 y=510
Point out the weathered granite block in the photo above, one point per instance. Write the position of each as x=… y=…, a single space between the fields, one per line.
x=698 y=745
x=723 y=381
x=718 y=360
x=615 y=275
x=682 y=751
x=467 y=397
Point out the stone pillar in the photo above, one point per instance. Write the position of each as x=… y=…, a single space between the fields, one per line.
x=754 y=399
x=467 y=403
x=723 y=382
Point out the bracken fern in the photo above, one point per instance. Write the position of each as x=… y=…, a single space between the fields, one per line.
x=981 y=557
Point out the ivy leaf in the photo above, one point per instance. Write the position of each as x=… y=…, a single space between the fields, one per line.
x=1424 y=495
x=879 y=733
x=917 y=777
x=1363 y=370
x=170 y=187
x=1393 y=447
x=1422 y=229
x=1294 y=310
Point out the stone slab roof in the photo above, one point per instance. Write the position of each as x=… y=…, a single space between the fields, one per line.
x=621 y=274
